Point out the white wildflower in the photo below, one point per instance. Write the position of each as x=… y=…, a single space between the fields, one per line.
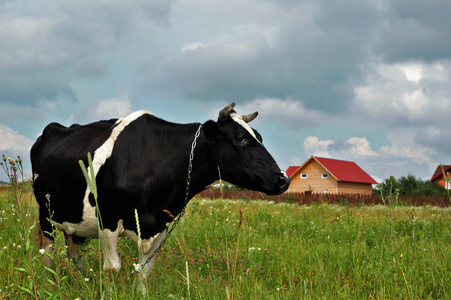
x=137 y=267
x=42 y=251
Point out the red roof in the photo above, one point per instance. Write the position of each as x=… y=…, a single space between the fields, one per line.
x=291 y=170
x=438 y=172
x=341 y=170
x=345 y=170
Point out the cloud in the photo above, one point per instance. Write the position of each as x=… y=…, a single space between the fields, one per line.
x=113 y=108
x=287 y=54
x=290 y=113
x=13 y=144
x=415 y=32
x=314 y=146
x=361 y=146
x=411 y=91
x=192 y=46
x=353 y=147
x=436 y=137
x=13 y=141
x=221 y=71
x=45 y=46
x=403 y=146
x=104 y=109
x=407 y=103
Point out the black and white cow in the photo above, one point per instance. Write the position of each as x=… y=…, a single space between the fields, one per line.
x=141 y=162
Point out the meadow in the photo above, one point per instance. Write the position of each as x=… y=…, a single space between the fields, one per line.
x=239 y=249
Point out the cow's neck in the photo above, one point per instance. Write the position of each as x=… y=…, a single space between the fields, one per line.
x=204 y=170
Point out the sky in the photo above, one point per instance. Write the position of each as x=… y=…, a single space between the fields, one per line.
x=366 y=81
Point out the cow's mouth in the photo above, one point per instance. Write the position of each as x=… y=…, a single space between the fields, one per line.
x=281 y=185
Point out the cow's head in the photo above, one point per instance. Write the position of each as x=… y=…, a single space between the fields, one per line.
x=243 y=160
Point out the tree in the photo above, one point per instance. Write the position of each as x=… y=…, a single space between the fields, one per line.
x=410 y=186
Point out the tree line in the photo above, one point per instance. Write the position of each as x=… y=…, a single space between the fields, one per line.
x=410 y=186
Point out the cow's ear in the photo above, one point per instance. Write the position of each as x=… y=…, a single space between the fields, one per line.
x=211 y=130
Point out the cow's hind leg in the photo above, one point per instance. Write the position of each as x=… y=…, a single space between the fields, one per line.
x=73 y=243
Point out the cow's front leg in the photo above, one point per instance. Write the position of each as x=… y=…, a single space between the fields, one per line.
x=148 y=247
x=112 y=261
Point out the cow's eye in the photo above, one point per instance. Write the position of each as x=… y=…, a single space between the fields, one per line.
x=241 y=139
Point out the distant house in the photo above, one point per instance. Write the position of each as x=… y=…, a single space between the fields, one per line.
x=327 y=175
x=438 y=176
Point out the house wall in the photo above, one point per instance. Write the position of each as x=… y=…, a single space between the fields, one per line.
x=355 y=188
x=442 y=182
x=313 y=181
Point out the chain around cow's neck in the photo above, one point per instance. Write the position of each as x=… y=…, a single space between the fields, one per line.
x=182 y=212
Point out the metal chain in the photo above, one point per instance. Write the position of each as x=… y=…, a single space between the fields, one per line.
x=182 y=212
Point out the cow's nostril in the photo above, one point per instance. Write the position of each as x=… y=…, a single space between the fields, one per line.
x=283 y=182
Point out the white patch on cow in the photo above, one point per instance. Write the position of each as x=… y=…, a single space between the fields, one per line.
x=88 y=227
x=284 y=174
x=237 y=118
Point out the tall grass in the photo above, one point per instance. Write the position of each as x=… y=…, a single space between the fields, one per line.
x=244 y=250
x=285 y=251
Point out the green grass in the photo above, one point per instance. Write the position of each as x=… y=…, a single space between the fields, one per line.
x=286 y=251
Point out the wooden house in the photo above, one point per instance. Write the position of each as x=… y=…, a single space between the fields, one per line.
x=438 y=176
x=327 y=175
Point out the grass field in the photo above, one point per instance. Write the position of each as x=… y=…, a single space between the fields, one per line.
x=281 y=251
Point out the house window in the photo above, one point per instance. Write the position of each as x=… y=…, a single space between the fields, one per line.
x=448 y=184
x=325 y=175
x=304 y=175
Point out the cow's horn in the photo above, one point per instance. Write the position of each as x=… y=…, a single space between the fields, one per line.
x=249 y=118
x=225 y=112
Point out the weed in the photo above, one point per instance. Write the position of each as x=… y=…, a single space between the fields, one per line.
x=14 y=171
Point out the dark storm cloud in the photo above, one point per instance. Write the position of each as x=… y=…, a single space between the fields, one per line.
x=368 y=78
x=311 y=54
x=41 y=53
x=415 y=31
x=34 y=87
x=438 y=138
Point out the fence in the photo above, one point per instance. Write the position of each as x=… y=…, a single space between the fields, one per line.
x=311 y=198
x=5 y=188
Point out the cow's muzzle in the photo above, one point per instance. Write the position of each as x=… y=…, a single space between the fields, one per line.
x=283 y=182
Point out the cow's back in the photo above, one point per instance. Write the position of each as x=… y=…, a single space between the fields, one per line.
x=54 y=158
